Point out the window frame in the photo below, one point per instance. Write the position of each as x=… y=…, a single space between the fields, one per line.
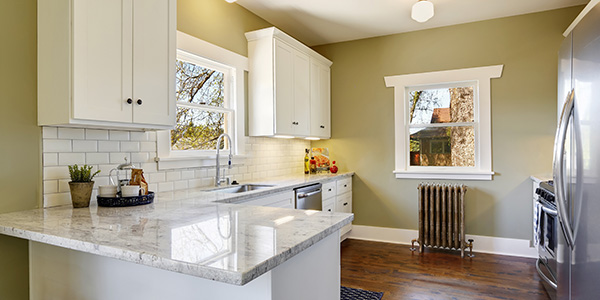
x=215 y=57
x=480 y=78
x=228 y=82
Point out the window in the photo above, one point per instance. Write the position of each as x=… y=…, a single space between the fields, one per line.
x=203 y=104
x=442 y=122
x=210 y=95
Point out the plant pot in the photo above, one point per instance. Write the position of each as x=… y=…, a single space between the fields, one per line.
x=81 y=193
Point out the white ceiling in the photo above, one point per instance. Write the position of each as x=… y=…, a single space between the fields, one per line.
x=317 y=22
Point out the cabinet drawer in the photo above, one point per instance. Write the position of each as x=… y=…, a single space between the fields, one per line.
x=344 y=185
x=329 y=190
x=344 y=203
x=329 y=205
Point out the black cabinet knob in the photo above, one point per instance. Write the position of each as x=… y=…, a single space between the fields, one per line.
x=139 y=101
x=322 y=126
x=345 y=203
x=329 y=209
x=129 y=101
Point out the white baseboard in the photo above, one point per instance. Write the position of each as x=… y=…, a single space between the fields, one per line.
x=482 y=244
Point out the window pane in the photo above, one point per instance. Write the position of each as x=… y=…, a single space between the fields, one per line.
x=197 y=129
x=450 y=105
x=442 y=146
x=199 y=85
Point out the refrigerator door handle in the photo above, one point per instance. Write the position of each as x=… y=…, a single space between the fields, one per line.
x=559 y=155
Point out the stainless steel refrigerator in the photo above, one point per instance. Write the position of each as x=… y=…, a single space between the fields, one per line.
x=577 y=160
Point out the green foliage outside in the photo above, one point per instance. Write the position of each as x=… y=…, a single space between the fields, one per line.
x=82 y=174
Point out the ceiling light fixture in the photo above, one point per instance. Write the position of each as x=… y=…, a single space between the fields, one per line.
x=230 y=1
x=422 y=11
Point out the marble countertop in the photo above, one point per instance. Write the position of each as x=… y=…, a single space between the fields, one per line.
x=188 y=232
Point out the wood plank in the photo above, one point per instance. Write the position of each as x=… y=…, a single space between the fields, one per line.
x=437 y=274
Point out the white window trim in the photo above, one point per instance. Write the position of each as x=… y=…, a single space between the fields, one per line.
x=171 y=160
x=483 y=134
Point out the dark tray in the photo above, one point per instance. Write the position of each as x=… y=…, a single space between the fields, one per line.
x=125 y=201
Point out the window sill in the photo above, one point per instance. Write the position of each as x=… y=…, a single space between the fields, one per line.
x=477 y=175
x=184 y=162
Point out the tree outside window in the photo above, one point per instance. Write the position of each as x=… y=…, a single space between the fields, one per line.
x=442 y=127
x=202 y=105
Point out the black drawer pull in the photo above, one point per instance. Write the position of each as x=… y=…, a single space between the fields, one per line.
x=129 y=101
x=345 y=203
x=139 y=101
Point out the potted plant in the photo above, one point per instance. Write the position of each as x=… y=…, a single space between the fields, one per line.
x=81 y=185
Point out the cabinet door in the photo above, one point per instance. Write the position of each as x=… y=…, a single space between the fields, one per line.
x=102 y=60
x=154 y=62
x=284 y=88
x=301 y=94
x=320 y=100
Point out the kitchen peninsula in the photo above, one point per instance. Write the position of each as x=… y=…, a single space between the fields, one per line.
x=186 y=245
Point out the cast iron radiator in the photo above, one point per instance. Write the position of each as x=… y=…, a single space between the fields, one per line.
x=442 y=217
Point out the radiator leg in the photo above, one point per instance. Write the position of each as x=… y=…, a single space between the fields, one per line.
x=412 y=248
x=470 y=245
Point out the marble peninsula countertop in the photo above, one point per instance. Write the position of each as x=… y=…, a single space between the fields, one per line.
x=197 y=232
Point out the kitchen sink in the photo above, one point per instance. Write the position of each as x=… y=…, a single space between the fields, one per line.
x=241 y=188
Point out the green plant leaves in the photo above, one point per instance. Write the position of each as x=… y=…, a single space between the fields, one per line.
x=81 y=174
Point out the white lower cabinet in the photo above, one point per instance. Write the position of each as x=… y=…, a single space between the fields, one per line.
x=337 y=197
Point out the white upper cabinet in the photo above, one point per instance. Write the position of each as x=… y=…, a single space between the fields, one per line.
x=288 y=87
x=107 y=63
x=320 y=99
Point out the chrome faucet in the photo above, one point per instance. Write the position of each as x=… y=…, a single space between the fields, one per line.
x=218 y=180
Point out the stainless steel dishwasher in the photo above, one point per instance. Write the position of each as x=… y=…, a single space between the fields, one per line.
x=308 y=197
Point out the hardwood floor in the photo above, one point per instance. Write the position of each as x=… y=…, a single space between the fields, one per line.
x=437 y=274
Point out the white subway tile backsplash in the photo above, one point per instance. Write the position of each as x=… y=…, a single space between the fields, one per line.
x=96 y=134
x=117 y=135
x=105 y=149
x=187 y=174
x=130 y=146
x=49 y=132
x=57 y=199
x=65 y=159
x=71 y=133
x=138 y=136
x=119 y=157
x=173 y=175
x=56 y=146
x=50 y=159
x=63 y=186
x=157 y=177
x=165 y=186
x=85 y=146
x=153 y=187
x=151 y=136
x=58 y=172
x=180 y=185
x=97 y=158
x=50 y=186
x=148 y=146
x=202 y=173
x=140 y=157
x=108 y=146
x=194 y=183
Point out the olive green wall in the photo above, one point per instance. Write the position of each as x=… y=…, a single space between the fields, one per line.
x=20 y=175
x=523 y=115
x=218 y=22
